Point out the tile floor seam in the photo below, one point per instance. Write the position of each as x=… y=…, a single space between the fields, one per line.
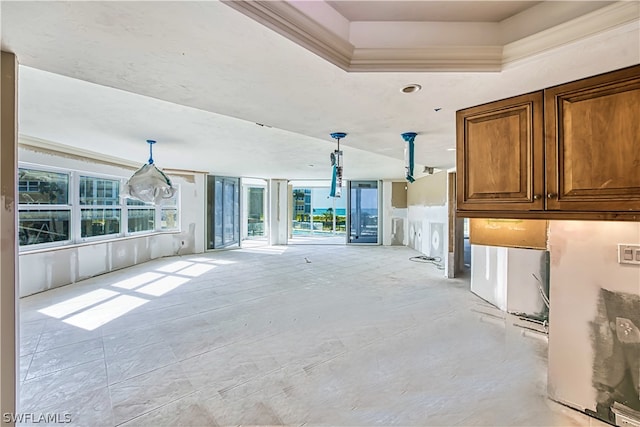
x=58 y=370
x=156 y=408
x=119 y=382
x=65 y=345
x=224 y=390
x=142 y=374
x=226 y=345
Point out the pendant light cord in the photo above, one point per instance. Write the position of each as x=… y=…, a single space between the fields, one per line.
x=150 y=142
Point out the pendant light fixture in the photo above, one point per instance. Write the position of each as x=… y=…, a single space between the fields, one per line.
x=408 y=154
x=148 y=184
x=336 y=163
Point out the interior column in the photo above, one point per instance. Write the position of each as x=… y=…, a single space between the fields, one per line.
x=8 y=242
x=278 y=212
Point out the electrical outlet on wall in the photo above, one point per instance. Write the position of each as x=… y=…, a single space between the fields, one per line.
x=628 y=253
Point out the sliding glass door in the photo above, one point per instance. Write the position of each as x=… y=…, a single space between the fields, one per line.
x=223 y=211
x=364 y=208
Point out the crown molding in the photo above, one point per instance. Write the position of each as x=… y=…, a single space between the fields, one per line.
x=303 y=30
x=601 y=20
x=435 y=58
x=289 y=22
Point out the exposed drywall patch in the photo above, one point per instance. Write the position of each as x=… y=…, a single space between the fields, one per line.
x=430 y=190
x=528 y=281
x=428 y=217
x=184 y=243
x=436 y=240
x=399 y=194
x=186 y=177
x=394 y=225
x=426 y=228
x=589 y=264
x=61 y=267
x=92 y=260
x=397 y=231
x=615 y=340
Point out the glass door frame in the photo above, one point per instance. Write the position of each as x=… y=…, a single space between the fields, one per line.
x=380 y=213
x=246 y=184
x=211 y=212
x=313 y=203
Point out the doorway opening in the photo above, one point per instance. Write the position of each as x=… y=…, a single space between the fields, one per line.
x=254 y=212
x=364 y=209
x=316 y=218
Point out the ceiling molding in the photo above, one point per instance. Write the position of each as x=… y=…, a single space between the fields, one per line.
x=49 y=147
x=289 y=22
x=292 y=23
x=435 y=58
x=39 y=145
x=592 y=23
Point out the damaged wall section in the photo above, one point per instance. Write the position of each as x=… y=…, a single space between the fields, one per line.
x=428 y=217
x=594 y=320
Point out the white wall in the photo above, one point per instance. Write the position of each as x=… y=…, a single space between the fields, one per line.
x=428 y=216
x=395 y=226
x=49 y=268
x=583 y=260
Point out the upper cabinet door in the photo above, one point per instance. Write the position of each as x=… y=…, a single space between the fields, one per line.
x=500 y=155
x=592 y=132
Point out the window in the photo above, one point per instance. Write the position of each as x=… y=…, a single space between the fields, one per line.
x=169 y=213
x=43 y=226
x=99 y=191
x=44 y=213
x=103 y=218
x=99 y=222
x=140 y=216
x=58 y=207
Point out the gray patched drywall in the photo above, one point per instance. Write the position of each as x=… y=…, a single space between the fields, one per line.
x=590 y=293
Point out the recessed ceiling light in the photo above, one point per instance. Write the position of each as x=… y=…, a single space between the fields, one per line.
x=411 y=88
x=451 y=149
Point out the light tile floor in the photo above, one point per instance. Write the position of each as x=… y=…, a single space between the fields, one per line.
x=313 y=335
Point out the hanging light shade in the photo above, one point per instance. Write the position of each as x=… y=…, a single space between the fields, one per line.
x=408 y=154
x=336 y=163
x=148 y=184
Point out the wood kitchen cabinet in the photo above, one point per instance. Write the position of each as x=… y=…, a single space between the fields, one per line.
x=570 y=151
x=499 y=152
x=592 y=143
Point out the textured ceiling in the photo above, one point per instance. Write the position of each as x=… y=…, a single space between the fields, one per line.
x=198 y=76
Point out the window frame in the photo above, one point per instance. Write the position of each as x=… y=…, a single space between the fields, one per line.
x=78 y=175
x=75 y=209
x=27 y=207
